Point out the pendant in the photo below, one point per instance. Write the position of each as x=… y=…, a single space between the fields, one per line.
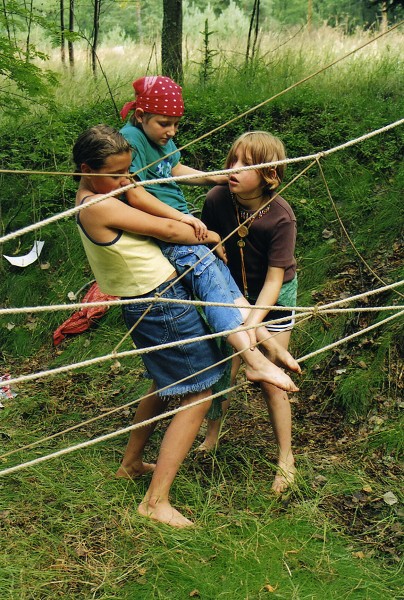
x=241 y=243
x=242 y=231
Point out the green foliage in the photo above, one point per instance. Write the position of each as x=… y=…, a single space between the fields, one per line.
x=72 y=517
x=70 y=529
x=22 y=80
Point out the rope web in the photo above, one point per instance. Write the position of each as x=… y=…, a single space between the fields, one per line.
x=302 y=313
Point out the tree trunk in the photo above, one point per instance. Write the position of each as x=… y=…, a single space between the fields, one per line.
x=96 y=28
x=384 y=24
x=71 y=29
x=62 y=32
x=171 y=40
x=309 y=14
x=255 y=16
x=29 y=22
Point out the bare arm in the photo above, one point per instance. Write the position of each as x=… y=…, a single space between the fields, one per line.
x=205 y=179
x=103 y=220
x=141 y=199
x=268 y=294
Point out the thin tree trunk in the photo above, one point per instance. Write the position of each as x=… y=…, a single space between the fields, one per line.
x=6 y=21
x=309 y=14
x=62 y=32
x=96 y=28
x=171 y=40
x=139 y=20
x=249 y=55
x=71 y=29
x=384 y=24
x=28 y=19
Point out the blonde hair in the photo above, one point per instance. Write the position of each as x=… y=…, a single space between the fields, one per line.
x=260 y=147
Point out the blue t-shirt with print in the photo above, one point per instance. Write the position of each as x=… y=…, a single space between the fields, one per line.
x=146 y=152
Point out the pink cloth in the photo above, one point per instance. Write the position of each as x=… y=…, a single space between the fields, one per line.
x=156 y=95
x=80 y=321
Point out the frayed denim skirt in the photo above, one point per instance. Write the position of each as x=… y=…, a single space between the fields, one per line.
x=172 y=322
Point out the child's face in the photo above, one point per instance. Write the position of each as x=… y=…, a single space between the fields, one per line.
x=117 y=167
x=244 y=183
x=159 y=128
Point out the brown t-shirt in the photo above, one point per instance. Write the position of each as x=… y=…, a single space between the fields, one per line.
x=270 y=241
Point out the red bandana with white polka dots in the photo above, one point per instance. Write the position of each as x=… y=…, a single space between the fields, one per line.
x=156 y=95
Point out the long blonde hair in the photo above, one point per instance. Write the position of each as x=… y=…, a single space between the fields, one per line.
x=260 y=147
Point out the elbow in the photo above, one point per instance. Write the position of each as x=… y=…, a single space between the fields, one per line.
x=171 y=233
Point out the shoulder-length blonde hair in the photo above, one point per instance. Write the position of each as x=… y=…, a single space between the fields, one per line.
x=259 y=147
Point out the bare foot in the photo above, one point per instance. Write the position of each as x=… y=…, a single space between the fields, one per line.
x=284 y=477
x=267 y=371
x=135 y=470
x=206 y=446
x=163 y=512
x=280 y=356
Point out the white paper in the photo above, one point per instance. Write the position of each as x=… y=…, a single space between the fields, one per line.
x=27 y=259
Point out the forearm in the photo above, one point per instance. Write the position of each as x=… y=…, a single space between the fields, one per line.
x=204 y=179
x=141 y=199
x=176 y=232
x=268 y=296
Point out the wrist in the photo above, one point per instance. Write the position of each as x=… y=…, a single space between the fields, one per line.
x=213 y=238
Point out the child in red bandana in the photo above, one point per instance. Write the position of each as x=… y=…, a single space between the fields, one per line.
x=157 y=110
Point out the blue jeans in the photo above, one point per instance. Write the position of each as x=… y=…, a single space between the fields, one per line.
x=170 y=322
x=210 y=281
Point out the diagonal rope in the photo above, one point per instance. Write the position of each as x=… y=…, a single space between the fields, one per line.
x=115 y=356
x=76 y=209
x=245 y=113
x=344 y=229
x=173 y=412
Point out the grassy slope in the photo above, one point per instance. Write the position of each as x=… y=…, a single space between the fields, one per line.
x=70 y=529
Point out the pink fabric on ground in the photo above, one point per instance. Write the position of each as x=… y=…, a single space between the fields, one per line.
x=83 y=319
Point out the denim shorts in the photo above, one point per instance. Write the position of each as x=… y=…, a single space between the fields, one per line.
x=167 y=323
x=210 y=280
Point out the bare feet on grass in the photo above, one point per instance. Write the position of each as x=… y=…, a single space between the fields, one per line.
x=163 y=512
x=285 y=476
x=134 y=470
x=206 y=446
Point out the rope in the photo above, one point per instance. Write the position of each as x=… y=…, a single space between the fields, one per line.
x=201 y=303
x=77 y=209
x=350 y=337
x=257 y=106
x=115 y=434
x=173 y=412
x=116 y=355
x=316 y=310
x=344 y=229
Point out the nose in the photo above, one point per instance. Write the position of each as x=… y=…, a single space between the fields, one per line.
x=171 y=131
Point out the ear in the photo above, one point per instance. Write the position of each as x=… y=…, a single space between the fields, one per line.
x=85 y=168
x=139 y=114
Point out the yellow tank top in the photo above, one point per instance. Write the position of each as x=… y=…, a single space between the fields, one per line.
x=130 y=265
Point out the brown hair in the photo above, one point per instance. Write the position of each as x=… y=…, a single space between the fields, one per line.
x=95 y=145
x=260 y=147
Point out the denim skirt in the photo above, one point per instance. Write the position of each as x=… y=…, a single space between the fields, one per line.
x=171 y=322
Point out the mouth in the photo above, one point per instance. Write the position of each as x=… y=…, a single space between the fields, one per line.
x=233 y=180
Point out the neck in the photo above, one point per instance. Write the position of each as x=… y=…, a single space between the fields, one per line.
x=253 y=202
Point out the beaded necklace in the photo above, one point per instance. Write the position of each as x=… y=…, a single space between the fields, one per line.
x=243 y=230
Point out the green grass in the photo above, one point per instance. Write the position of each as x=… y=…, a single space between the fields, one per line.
x=79 y=537
x=68 y=528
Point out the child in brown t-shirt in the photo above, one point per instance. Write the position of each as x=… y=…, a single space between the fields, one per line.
x=261 y=259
